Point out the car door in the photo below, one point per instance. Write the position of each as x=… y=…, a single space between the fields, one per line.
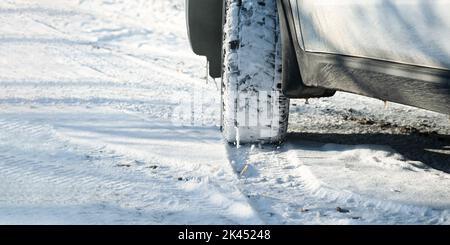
x=415 y=32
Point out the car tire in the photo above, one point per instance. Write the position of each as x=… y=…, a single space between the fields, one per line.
x=253 y=107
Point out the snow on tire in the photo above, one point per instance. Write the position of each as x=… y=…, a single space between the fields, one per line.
x=254 y=110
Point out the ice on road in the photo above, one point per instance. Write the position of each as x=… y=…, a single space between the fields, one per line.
x=91 y=133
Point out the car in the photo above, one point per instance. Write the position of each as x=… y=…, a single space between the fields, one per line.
x=270 y=51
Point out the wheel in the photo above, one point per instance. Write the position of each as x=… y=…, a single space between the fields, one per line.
x=253 y=107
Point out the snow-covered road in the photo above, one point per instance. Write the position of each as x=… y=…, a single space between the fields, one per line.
x=89 y=134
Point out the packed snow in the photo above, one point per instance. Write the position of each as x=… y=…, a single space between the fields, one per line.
x=96 y=128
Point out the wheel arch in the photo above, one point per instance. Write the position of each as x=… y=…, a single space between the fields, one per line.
x=292 y=81
x=205 y=19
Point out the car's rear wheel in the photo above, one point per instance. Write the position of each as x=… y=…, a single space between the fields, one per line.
x=254 y=110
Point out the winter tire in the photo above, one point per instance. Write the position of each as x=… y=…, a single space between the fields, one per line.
x=253 y=108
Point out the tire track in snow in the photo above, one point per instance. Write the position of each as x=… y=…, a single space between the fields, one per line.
x=18 y=163
x=156 y=68
x=282 y=188
x=39 y=164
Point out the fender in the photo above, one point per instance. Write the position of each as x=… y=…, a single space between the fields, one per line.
x=204 y=20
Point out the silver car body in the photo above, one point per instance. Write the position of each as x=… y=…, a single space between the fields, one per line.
x=415 y=32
